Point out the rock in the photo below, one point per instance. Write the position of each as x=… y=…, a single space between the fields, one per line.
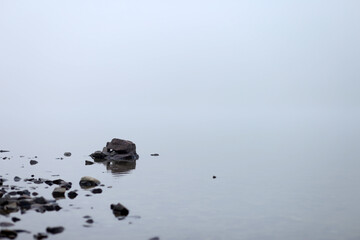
x=72 y=194
x=96 y=190
x=8 y=234
x=119 y=210
x=15 y=219
x=88 y=182
x=2 y=151
x=214 y=177
x=55 y=230
x=67 y=154
x=59 y=192
x=16 y=178
x=90 y=221
x=40 y=236
x=33 y=162
x=155 y=238
x=154 y=154
x=89 y=162
x=117 y=150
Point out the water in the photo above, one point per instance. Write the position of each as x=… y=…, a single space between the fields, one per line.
x=264 y=95
x=286 y=179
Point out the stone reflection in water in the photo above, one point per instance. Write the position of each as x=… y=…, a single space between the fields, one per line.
x=119 y=168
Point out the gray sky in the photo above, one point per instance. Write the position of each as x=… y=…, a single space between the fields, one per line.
x=86 y=59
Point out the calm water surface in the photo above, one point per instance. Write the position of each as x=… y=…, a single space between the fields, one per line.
x=276 y=179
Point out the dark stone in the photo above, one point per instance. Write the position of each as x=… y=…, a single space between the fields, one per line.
x=154 y=154
x=2 y=151
x=8 y=234
x=16 y=178
x=59 y=192
x=55 y=230
x=119 y=210
x=117 y=150
x=67 y=154
x=214 y=176
x=40 y=236
x=15 y=219
x=40 y=200
x=34 y=194
x=24 y=204
x=89 y=162
x=155 y=238
x=96 y=190
x=72 y=194
x=33 y=162
x=90 y=221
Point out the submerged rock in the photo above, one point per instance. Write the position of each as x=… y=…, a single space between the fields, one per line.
x=72 y=194
x=40 y=236
x=117 y=150
x=88 y=182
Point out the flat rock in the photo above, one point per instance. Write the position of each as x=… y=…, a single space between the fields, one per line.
x=33 y=162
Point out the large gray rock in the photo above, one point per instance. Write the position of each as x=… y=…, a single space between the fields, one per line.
x=117 y=150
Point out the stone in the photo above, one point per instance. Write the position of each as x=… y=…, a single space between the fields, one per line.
x=15 y=219
x=40 y=236
x=119 y=210
x=88 y=182
x=33 y=162
x=16 y=178
x=55 y=230
x=117 y=150
x=90 y=221
x=89 y=162
x=59 y=192
x=154 y=154
x=96 y=190
x=5 y=233
x=72 y=194
x=67 y=154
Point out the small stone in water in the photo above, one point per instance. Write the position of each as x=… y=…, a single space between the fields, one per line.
x=89 y=162
x=72 y=194
x=67 y=154
x=16 y=178
x=15 y=219
x=54 y=230
x=40 y=236
x=96 y=190
x=33 y=162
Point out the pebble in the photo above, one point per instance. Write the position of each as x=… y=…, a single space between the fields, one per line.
x=33 y=162
x=96 y=190
x=55 y=230
x=67 y=154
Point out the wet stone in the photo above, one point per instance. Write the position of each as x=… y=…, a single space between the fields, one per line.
x=17 y=179
x=96 y=190
x=154 y=154
x=67 y=154
x=88 y=182
x=90 y=221
x=55 y=230
x=15 y=219
x=119 y=210
x=33 y=162
x=8 y=234
x=72 y=194
x=40 y=236
x=59 y=192
x=89 y=162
